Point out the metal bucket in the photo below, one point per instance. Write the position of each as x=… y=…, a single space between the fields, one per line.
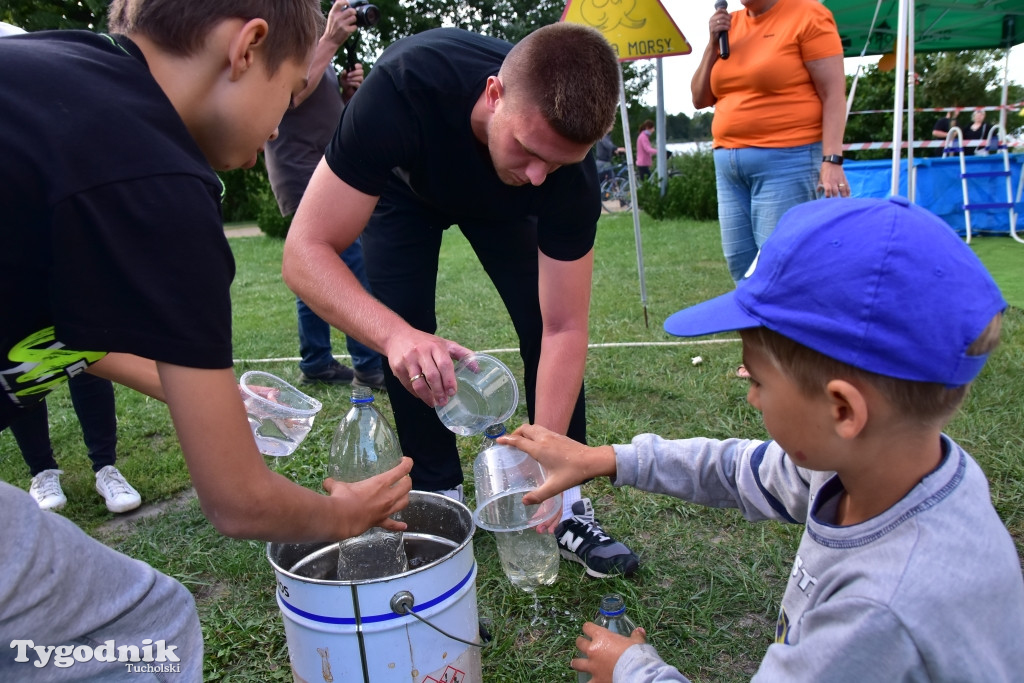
x=420 y=626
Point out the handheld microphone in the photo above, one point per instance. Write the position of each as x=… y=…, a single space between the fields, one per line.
x=723 y=36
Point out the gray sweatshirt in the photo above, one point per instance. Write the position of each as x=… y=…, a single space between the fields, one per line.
x=929 y=590
x=72 y=609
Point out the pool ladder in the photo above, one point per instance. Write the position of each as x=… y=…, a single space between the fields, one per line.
x=1012 y=200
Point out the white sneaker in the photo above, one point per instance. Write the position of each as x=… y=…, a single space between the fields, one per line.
x=455 y=494
x=46 y=490
x=116 y=491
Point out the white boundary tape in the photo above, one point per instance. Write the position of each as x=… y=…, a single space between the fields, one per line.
x=608 y=345
x=857 y=146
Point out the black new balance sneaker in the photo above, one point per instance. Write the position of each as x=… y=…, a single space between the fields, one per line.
x=581 y=539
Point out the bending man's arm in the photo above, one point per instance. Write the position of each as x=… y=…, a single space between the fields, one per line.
x=330 y=217
x=564 y=291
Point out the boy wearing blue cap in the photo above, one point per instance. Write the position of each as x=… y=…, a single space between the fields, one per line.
x=863 y=324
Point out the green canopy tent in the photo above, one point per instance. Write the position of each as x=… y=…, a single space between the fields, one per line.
x=948 y=25
x=872 y=27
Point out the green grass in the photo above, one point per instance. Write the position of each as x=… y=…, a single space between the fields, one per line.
x=1004 y=259
x=710 y=584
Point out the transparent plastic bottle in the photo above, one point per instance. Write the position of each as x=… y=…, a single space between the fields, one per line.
x=529 y=558
x=611 y=615
x=365 y=445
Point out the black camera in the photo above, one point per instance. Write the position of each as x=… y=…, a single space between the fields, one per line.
x=366 y=14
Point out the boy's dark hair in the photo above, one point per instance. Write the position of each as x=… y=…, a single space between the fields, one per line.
x=927 y=402
x=181 y=26
x=571 y=74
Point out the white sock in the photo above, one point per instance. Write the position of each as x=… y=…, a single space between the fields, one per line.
x=568 y=498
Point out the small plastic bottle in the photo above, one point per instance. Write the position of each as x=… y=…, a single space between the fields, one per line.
x=612 y=615
x=366 y=445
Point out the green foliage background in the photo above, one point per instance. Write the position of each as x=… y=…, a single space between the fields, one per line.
x=944 y=79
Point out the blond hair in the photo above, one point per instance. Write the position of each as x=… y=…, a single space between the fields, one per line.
x=929 y=403
x=571 y=74
x=181 y=26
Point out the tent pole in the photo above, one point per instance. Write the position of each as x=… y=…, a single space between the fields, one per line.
x=911 y=79
x=628 y=144
x=1004 y=100
x=660 y=129
x=897 y=109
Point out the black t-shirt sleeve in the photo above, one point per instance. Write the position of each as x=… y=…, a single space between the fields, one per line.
x=378 y=131
x=567 y=223
x=130 y=275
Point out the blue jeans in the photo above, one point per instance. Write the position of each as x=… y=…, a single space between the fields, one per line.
x=756 y=185
x=315 y=334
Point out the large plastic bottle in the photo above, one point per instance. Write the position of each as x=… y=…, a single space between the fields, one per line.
x=611 y=615
x=529 y=558
x=365 y=445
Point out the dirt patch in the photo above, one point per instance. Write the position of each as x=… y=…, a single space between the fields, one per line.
x=122 y=524
x=243 y=231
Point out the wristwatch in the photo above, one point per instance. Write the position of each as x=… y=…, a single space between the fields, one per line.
x=836 y=159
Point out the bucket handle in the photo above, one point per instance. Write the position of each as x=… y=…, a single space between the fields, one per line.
x=402 y=603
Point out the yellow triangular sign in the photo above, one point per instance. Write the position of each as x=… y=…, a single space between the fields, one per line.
x=637 y=29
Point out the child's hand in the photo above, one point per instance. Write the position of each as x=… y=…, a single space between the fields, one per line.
x=371 y=502
x=272 y=394
x=603 y=649
x=566 y=462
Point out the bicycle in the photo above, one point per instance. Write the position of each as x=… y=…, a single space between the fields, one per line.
x=615 y=194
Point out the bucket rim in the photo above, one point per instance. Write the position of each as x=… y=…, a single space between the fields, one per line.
x=383 y=579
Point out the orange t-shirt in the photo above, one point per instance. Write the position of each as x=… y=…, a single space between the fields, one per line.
x=765 y=95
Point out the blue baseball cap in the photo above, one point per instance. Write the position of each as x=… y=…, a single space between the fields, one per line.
x=880 y=284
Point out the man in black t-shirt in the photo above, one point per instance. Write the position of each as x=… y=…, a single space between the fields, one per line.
x=455 y=128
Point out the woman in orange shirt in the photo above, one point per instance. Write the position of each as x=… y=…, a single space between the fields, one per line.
x=779 y=116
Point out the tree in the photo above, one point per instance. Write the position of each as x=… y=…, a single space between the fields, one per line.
x=38 y=15
x=509 y=20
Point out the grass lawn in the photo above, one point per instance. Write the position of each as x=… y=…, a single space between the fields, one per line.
x=710 y=583
x=1004 y=258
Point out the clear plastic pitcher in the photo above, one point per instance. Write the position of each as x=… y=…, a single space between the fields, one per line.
x=279 y=414
x=486 y=393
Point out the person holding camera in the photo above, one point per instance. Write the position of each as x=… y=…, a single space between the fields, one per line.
x=291 y=159
x=496 y=139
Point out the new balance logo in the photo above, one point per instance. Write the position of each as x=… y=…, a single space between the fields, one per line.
x=569 y=541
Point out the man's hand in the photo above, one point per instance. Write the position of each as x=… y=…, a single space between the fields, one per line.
x=423 y=363
x=371 y=502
